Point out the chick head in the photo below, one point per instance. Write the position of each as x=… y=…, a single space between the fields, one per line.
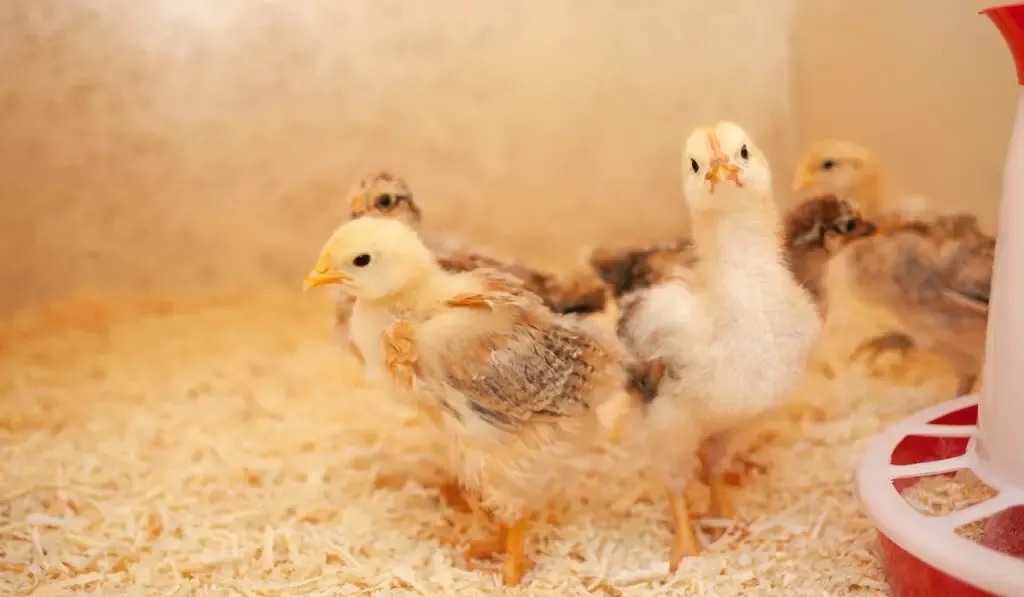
x=384 y=195
x=723 y=158
x=838 y=167
x=372 y=258
x=828 y=223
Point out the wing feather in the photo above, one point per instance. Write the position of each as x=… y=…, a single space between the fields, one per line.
x=535 y=367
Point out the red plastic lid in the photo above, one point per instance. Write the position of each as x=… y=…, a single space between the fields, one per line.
x=1009 y=18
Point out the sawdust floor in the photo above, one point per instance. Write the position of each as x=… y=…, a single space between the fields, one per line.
x=229 y=449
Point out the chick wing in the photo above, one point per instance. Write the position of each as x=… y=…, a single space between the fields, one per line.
x=512 y=360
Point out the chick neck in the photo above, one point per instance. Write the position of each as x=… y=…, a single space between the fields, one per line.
x=740 y=239
x=419 y=297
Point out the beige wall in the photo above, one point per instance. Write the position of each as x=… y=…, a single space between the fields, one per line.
x=183 y=145
x=936 y=68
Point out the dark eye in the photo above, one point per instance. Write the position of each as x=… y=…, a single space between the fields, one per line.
x=385 y=201
x=828 y=164
x=361 y=260
x=744 y=153
x=694 y=166
x=845 y=226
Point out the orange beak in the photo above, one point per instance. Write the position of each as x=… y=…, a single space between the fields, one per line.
x=323 y=274
x=721 y=168
x=358 y=204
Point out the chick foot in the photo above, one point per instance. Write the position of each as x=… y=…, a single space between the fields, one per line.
x=510 y=542
x=684 y=542
x=893 y=341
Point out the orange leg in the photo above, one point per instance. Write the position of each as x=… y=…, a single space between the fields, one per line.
x=684 y=542
x=516 y=563
x=511 y=543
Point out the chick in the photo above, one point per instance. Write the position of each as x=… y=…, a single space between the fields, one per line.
x=385 y=195
x=514 y=385
x=842 y=168
x=936 y=277
x=726 y=342
x=813 y=230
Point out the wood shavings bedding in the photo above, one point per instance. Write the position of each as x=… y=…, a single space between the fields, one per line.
x=230 y=449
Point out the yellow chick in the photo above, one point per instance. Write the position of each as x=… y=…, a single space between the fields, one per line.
x=726 y=342
x=513 y=385
x=935 y=277
x=844 y=169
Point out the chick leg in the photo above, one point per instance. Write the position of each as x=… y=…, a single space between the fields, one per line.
x=714 y=455
x=511 y=543
x=516 y=563
x=684 y=542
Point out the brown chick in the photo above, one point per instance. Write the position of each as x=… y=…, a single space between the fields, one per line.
x=813 y=229
x=514 y=386
x=936 y=277
x=724 y=345
x=385 y=195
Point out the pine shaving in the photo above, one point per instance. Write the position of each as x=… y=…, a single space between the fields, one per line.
x=231 y=448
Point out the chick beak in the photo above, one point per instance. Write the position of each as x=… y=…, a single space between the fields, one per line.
x=721 y=168
x=802 y=182
x=358 y=205
x=323 y=274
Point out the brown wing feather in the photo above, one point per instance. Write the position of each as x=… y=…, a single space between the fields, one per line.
x=538 y=368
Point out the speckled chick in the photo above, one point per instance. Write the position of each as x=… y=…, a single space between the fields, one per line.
x=935 y=276
x=729 y=339
x=514 y=385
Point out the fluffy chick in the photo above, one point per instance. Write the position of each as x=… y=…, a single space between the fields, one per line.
x=514 y=385
x=841 y=168
x=727 y=342
x=936 y=277
x=385 y=195
x=813 y=229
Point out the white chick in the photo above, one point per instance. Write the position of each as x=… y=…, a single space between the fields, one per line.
x=514 y=385
x=726 y=340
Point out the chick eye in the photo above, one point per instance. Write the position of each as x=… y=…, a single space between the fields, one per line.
x=385 y=201
x=744 y=153
x=361 y=260
x=694 y=166
x=828 y=164
x=845 y=226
